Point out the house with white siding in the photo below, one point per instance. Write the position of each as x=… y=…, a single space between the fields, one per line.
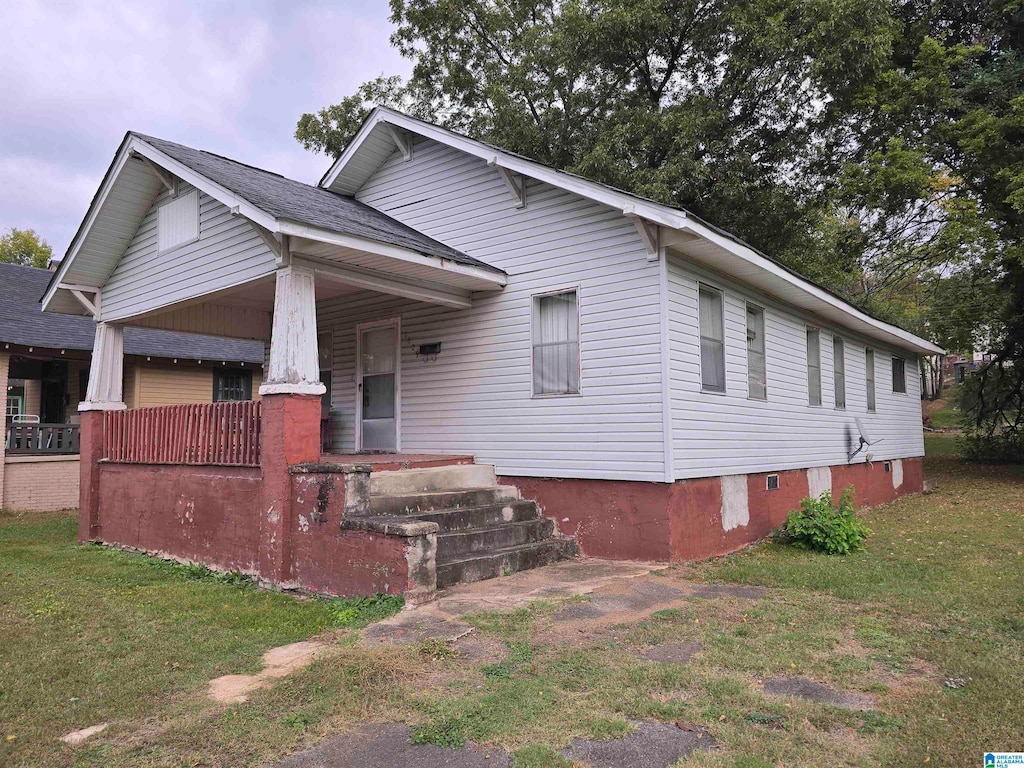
x=652 y=386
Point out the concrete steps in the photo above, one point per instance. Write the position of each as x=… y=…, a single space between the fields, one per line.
x=484 y=529
x=502 y=562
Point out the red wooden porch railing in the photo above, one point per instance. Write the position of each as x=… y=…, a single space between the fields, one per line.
x=211 y=433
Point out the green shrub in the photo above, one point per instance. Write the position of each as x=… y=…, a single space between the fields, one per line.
x=822 y=527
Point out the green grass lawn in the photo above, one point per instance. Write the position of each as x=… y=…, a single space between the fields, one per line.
x=91 y=635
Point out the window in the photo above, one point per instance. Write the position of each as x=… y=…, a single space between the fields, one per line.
x=772 y=483
x=712 y=341
x=757 y=384
x=14 y=406
x=231 y=384
x=556 y=344
x=899 y=375
x=869 y=377
x=839 y=371
x=813 y=366
x=178 y=221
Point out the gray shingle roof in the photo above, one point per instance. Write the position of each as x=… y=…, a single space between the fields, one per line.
x=22 y=321
x=306 y=204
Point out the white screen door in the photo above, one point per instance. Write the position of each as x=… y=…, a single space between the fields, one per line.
x=378 y=388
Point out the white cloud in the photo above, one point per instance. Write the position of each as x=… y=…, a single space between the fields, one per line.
x=231 y=76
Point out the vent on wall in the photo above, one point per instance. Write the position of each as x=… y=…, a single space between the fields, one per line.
x=772 y=483
x=178 y=222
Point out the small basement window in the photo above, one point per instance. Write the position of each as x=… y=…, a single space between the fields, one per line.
x=772 y=483
x=178 y=222
x=888 y=466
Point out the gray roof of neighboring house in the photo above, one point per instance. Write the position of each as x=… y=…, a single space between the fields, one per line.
x=305 y=204
x=23 y=322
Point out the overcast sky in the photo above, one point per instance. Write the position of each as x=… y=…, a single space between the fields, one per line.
x=225 y=76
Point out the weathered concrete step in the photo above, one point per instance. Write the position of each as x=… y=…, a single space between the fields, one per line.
x=455 y=498
x=481 y=540
x=498 y=562
x=406 y=481
x=452 y=520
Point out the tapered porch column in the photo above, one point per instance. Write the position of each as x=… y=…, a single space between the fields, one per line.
x=294 y=364
x=290 y=433
x=104 y=393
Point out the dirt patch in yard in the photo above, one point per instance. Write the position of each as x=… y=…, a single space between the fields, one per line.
x=388 y=746
x=811 y=690
x=277 y=662
x=651 y=745
x=673 y=653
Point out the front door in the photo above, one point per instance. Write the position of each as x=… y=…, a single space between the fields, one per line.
x=377 y=386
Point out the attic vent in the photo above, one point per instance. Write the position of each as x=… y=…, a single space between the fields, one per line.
x=773 y=483
x=178 y=222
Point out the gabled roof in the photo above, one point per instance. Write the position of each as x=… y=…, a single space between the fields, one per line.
x=380 y=136
x=273 y=202
x=23 y=322
x=283 y=198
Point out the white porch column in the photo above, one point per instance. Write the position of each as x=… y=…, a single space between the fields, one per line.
x=294 y=364
x=106 y=373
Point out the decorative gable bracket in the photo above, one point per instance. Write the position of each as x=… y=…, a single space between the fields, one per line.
x=403 y=140
x=169 y=181
x=516 y=182
x=649 y=232
x=92 y=306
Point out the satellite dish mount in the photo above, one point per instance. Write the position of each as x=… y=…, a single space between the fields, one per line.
x=865 y=442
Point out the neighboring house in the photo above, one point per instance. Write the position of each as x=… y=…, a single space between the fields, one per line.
x=663 y=390
x=44 y=368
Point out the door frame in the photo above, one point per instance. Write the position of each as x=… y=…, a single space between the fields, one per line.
x=395 y=322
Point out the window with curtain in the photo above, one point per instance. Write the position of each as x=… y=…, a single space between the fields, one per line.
x=757 y=378
x=869 y=377
x=813 y=366
x=231 y=384
x=556 y=344
x=839 y=370
x=899 y=375
x=712 y=340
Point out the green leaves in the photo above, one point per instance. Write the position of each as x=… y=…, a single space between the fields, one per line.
x=819 y=526
x=24 y=246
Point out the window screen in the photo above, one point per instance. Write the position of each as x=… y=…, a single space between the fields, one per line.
x=712 y=341
x=869 y=377
x=178 y=221
x=756 y=370
x=556 y=344
x=839 y=371
x=813 y=366
x=899 y=375
x=231 y=384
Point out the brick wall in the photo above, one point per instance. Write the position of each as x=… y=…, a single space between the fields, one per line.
x=40 y=483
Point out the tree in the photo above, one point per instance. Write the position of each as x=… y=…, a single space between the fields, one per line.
x=724 y=107
x=24 y=246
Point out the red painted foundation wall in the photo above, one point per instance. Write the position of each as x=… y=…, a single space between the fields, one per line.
x=212 y=515
x=328 y=560
x=200 y=514
x=661 y=522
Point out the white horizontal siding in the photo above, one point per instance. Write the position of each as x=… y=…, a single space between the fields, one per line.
x=476 y=397
x=719 y=434
x=227 y=253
